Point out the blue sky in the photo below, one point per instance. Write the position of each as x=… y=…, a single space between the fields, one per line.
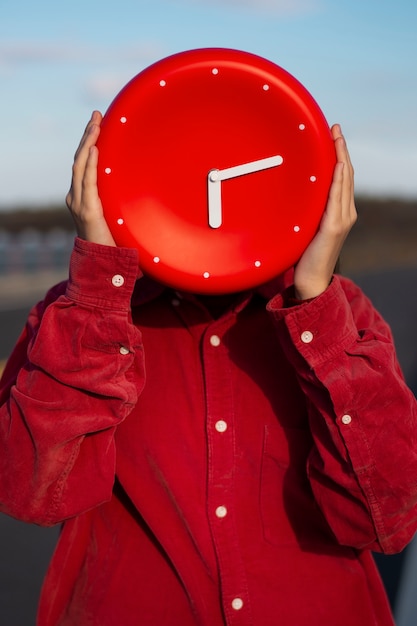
x=60 y=60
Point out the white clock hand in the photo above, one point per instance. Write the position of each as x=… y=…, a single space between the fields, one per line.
x=215 y=177
x=214 y=200
x=245 y=168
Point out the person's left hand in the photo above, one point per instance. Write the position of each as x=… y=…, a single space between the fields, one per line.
x=314 y=270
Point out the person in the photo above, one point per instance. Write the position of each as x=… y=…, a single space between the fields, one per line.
x=213 y=460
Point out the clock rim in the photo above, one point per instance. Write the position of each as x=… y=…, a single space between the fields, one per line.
x=185 y=279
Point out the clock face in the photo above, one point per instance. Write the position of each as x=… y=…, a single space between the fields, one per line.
x=216 y=165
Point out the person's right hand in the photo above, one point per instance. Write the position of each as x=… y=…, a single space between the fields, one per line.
x=83 y=199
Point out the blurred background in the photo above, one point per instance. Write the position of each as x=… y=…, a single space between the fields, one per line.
x=59 y=61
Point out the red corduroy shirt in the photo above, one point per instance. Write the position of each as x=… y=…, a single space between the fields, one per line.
x=234 y=471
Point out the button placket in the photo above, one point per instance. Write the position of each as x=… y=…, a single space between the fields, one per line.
x=221 y=458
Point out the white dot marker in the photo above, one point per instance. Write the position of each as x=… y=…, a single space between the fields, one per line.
x=257 y=264
x=162 y=83
x=302 y=126
x=296 y=229
x=215 y=71
x=156 y=259
x=108 y=170
x=206 y=275
x=265 y=87
x=313 y=179
x=123 y=120
x=120 y=221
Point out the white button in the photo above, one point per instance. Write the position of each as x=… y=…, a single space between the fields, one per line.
x=237 y=604
x=124 y=350
x=215 y=340
x=346 y=419
x=117 y=280
x=221 y=511
x=306 y=336
x=221 y=426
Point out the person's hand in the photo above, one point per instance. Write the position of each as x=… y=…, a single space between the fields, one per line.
x=83 y=199
x=314 y=270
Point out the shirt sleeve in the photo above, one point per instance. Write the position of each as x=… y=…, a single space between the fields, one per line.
x=363 y=418
x=73 y=376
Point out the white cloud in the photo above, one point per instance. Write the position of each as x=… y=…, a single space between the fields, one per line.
x=277 y=7
x=103 y=87
x=15 y=53
x=384 y=169
x=22 y=52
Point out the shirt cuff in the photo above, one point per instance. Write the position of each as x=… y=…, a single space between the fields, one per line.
x=102 y=276
x=319 y=329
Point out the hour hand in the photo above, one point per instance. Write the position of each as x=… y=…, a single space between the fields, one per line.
x=214 y=200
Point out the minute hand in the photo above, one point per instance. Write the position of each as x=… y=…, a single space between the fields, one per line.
x=215 y=177
x=245 y=168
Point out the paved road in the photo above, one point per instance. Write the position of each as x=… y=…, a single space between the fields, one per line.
x=25 y=550
x=11 y=324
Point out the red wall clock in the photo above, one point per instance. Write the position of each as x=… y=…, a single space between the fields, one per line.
x=216 y=165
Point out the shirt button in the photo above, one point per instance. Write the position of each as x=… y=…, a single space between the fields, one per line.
x=124 y=350
x=346 y=419
x=237 y=604
x=221 y=511
x=215 y=341
x=307 y=336
x=117 y=280
x=221 y=426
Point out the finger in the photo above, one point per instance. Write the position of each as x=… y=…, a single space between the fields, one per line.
x=88 y=139
x=347 y=199
x=333 y=214
x=80 y=163
x=336 y=188
x=336 y=131
x=89 y=183
x=95 y=119
x=342 y=151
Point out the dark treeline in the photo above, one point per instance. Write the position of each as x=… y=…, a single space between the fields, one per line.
x=16 y=219
x=373 y=212
x=385 y=234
